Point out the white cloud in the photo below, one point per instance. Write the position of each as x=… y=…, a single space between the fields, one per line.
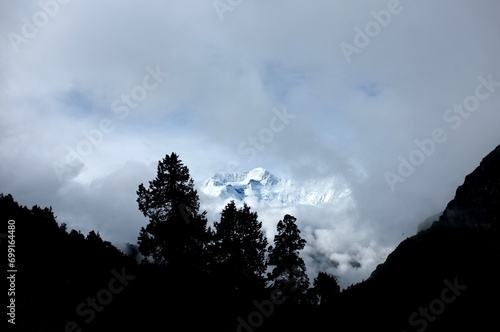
x=225 y=78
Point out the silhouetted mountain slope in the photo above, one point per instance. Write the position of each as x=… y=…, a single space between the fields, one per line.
x=427 y=223
x=477 y=201
x=461 y=249
x=56 y=270
x=442 y=279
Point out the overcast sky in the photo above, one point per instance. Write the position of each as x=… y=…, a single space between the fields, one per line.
x=95 y=93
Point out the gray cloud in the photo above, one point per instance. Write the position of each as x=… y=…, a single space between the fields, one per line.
x=225 y=79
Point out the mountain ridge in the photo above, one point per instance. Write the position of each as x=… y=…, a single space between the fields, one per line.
x=461 y=247
x=260 y=184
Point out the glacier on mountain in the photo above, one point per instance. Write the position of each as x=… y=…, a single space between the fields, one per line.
x=261 y=185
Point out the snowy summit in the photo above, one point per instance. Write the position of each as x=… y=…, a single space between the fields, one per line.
x=262 y=185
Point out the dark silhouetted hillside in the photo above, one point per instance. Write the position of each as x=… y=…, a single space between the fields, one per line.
x=442 y=279
x=462 y=247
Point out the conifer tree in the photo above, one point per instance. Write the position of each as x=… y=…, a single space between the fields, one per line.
x=176 y=232
x=326 y=288
x=289 y=272
x=239 y=246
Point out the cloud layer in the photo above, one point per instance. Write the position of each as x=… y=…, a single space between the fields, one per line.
x=74 y=79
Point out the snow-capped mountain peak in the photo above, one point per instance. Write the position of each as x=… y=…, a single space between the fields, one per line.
x=262 y=185
x=260 y=175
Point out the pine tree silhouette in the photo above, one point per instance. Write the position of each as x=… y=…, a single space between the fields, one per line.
x=176 y=233
x=326 y=288
x=289 y=272
x=239 y=247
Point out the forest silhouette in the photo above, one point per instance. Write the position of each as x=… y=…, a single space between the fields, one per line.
x=183 y=275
